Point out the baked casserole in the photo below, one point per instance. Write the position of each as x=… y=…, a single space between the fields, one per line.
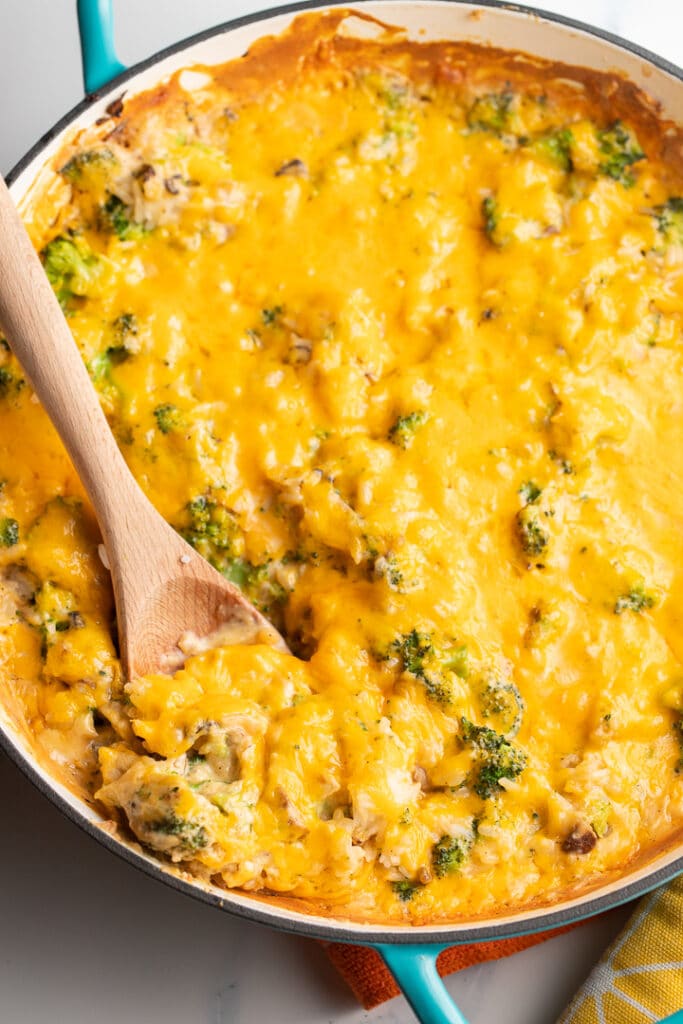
x=392 y=333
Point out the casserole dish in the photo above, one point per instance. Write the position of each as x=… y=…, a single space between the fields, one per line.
x=514 y=30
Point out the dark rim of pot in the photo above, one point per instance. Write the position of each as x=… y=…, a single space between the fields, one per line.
x=258 y=911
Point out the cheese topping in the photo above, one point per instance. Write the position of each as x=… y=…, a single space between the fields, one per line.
x=392 y=334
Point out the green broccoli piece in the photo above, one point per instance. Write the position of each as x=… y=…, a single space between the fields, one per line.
x=619 y=149
x=405 y=890
x=530 y=532
x=455 y=659
x=116 y=218
x=419 y=657
x=386 y=567
x=413 y=649
x=502 y=702
x=168 y=417
x=102 y=364
x=403 y=431
x=564 y=464
x=450 y=853
x=556 y=147
x=212 y=530
x=490 y=213
x=670 y=220
x=9 y=532
x=81 y=166
x=117 y=354
x=270 y=317
x=193 y=837
x=124 y=327
x=258 y=583
x=496 y=758
x=532 y=537
x=71 y=267
x=636 y=600
x=491 y=113
x=530 y=492
x=10 y=384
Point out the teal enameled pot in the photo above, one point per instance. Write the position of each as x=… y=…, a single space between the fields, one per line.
x=410 y=952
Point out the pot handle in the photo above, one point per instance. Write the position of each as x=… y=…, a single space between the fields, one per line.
x=96 y=27
x=414 y=968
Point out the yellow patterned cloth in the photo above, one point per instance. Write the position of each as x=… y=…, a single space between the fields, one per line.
x=639 y=979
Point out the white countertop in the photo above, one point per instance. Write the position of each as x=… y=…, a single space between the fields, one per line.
x=86 y=938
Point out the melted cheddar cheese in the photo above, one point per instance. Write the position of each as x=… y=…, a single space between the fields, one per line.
x=392 y=334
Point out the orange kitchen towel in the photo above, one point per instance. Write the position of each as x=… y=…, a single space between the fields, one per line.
x=371 y=982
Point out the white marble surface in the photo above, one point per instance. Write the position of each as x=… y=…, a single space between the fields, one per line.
x=83 y=936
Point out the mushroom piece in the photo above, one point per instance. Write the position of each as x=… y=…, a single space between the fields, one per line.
x=581 y=839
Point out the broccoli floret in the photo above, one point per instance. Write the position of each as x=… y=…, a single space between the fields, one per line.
x=192 y=836
x=72 y=268
x=532 y=537
x=556 y=147
x=491 y=113
x=81 y=165
x=420 y=658
x=450 y=853
x=636 y=600
x=271 y=316
x=258 y=582
x=455 y=659
x=125 y=327
x=101 y=365
x=489 y=211
x=502 y=702
x=386 y=567
x=10 y=384
x=117 y=354
x=117 y=218
x=168 y=417
x=530 y=492
x=403 y=431
x=405 y=890
x=9 y=532
x=413 y=649
x=619 y=150
x=670 y=220
x=496 y=758
x=564 y=464
x=211 y=531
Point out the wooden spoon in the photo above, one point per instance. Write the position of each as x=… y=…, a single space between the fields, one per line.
x=164 y=591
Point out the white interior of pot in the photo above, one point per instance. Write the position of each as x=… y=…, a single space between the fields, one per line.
x=508 y=29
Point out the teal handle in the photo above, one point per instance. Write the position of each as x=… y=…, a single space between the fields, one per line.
x=675 y=1018
x=414 y=968
x=96 y=26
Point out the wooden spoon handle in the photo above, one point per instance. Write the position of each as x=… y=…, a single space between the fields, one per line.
x=37 y=332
